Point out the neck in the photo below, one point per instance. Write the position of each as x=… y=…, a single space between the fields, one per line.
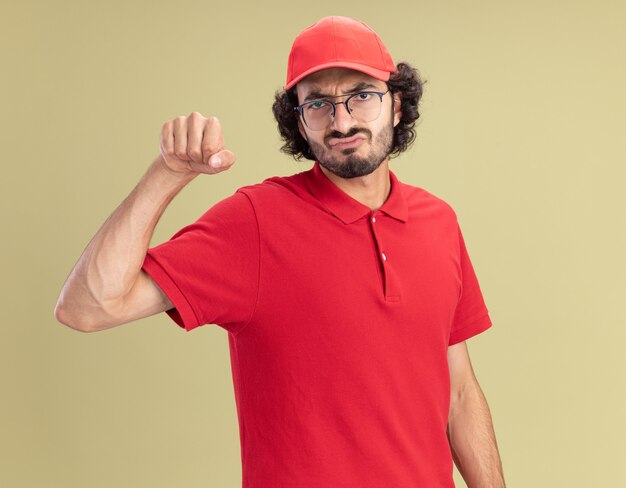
x=371 y=190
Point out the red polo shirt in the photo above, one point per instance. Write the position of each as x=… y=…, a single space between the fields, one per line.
x=339 y=319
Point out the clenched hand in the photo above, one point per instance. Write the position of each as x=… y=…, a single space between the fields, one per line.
x=194 y=144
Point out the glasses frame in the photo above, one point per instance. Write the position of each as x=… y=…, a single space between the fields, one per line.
x=346 y=102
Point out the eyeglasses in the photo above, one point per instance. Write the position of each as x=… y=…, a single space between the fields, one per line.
x=363 y=106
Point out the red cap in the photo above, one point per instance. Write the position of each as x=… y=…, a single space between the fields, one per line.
x=338 y=42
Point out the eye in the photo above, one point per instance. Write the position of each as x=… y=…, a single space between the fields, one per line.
x=364 y=96
x=316 y=105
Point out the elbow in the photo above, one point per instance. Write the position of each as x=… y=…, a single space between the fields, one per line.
x=64 y=317
x=84 y=319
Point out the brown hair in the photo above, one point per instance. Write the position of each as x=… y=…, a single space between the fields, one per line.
x=405 y=80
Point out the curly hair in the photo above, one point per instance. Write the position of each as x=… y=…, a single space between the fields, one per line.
x=406 y=81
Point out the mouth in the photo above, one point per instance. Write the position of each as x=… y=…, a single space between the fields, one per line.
x=347 y=142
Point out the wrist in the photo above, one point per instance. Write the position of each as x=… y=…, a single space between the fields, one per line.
x=168 y=176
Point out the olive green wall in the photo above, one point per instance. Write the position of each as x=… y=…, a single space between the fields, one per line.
x=522 y=132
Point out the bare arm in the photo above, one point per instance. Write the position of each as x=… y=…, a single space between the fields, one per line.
x=107 y=286
x=470 y=429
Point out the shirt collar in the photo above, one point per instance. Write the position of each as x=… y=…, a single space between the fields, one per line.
x=346 y=208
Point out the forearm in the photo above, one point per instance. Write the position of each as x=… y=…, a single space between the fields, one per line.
x=111 y=262
x=473 y=441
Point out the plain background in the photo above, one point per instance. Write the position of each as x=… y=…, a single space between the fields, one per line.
x=522 y=132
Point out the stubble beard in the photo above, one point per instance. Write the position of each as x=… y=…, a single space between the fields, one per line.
x=353 y=166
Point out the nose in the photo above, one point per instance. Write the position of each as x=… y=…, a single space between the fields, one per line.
x=342 y=121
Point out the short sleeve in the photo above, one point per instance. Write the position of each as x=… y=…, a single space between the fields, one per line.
x=210 y=269
x=471 y=316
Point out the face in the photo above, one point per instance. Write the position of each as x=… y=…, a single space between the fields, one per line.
x=349 y=147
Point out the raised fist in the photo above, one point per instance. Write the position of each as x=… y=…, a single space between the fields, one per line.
x=194 y=144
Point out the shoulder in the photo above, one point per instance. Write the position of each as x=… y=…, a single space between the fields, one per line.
x=242 y=200
x=232 y=212
x=422 y=200
x=276 y=189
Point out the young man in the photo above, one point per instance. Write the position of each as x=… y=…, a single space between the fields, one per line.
x=347 y=295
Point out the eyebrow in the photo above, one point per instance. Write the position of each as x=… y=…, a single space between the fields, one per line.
x=316 y=94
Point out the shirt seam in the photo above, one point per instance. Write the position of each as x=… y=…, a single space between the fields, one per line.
x=151 y=260
x=460 y=335
x=473 y=322
x=258 y=287
x=458 y=243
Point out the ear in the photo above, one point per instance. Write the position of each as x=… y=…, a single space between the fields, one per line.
x=397 y=108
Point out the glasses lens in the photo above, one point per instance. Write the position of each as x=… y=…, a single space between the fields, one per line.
x=365 y=106
x=317 y=114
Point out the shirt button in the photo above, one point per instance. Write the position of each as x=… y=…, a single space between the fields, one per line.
x=373 y=219
x=384 y=257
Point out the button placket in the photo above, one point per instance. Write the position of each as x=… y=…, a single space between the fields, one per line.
x=389 y=291
x=381 y=257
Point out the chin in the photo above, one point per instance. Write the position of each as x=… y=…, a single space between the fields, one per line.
x=350 y=167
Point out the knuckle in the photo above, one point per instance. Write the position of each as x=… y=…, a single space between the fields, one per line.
x=180 y=153
x=209 y=148
x=194 y=152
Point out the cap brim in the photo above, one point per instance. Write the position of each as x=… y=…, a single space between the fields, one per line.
x=368 y=70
